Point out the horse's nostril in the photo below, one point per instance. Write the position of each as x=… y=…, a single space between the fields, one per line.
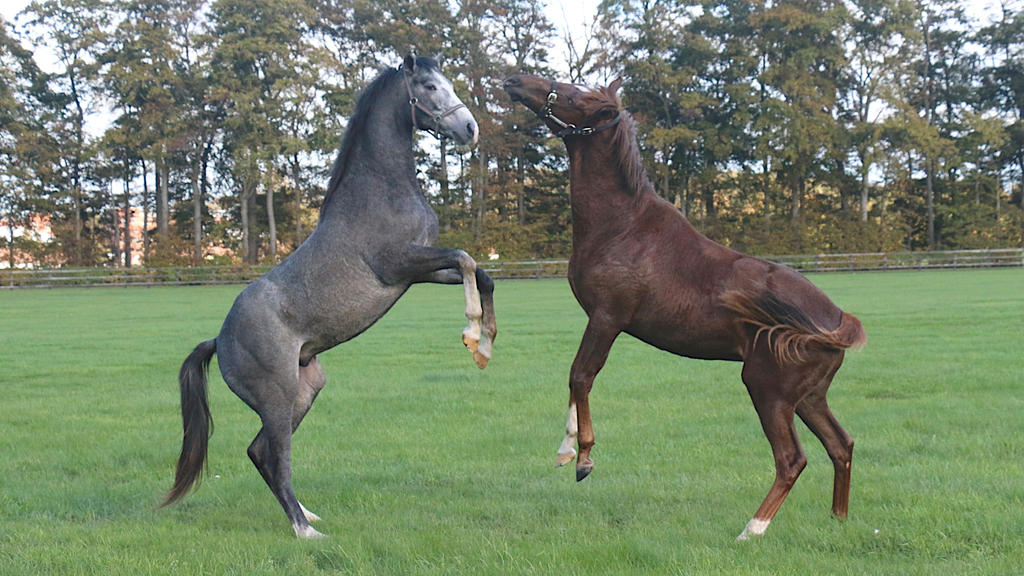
x=510 y=82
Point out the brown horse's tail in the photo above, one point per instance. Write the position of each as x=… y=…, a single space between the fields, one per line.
x=789 y=329
x=195 y=418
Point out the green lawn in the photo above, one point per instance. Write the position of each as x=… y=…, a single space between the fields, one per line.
x=420 y=463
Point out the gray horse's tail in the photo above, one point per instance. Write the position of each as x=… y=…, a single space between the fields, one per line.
x=195 y=418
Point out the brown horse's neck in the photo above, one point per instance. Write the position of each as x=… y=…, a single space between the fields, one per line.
x=601 y=196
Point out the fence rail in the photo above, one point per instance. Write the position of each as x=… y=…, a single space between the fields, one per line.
x=85 y=277
x=995 y=258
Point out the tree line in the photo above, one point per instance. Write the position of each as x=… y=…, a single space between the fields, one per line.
x=777 y=127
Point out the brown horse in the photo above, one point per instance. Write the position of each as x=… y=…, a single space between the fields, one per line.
x=639 y=267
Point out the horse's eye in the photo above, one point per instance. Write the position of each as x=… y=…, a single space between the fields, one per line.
x=431 y=87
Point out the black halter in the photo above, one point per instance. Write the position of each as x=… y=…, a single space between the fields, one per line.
x=414 y=103
x=567 y=128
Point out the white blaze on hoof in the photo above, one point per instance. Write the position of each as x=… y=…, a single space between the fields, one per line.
x=307 y=532
x=756 y=527
x=310 y=517
x=566 y=452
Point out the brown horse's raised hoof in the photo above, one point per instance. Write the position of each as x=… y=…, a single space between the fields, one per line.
x=583 y=471
x=471 y=343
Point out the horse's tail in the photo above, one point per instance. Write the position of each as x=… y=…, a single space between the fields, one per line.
x=789 y=329
x=196 y=420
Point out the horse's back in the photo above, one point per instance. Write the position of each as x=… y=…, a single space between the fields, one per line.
x=664 y=282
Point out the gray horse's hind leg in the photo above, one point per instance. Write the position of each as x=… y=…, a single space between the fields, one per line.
x=311 y=381
x=270 y=451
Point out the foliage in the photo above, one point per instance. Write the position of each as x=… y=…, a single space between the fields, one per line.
x=774 y=126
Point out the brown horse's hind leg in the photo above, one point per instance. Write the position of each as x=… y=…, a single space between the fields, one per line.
x=593 y=351
x=815 y=413
x=772 y=392
x=776 y=391
x=777 y=421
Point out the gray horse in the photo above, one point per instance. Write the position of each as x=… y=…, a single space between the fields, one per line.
x=375 y=238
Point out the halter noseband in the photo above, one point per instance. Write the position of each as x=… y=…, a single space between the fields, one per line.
x=414 y=104
x=568 y=129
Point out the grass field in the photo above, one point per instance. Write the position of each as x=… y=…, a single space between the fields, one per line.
x=419 y=463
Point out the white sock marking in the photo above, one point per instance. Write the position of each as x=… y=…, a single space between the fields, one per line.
x=756 y=527
x=571 y=431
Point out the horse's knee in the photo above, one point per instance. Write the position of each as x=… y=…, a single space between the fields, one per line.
x=789 y=470
x=255 y=452
x=843 y=457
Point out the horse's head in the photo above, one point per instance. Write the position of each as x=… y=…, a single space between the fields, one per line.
x=568 y=109
x=434 y=103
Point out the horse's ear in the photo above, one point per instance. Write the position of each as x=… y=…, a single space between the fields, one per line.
x=409 y=64
x=439 y=58
x=614 y=87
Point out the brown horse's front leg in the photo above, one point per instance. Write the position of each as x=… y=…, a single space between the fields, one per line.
x=593 y=351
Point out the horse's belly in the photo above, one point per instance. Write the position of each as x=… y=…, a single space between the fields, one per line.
x=349 y=313
x=685 y=323
x=687 y=340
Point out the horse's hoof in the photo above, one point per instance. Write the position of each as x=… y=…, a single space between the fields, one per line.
x=470 y=342
x=310 y=517
x=480 y=359
x=564 y=458
x=308 y=533
x=583 y=471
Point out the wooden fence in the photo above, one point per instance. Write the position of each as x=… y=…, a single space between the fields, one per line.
x=85 y=277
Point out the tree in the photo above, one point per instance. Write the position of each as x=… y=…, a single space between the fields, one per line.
x=74 y=28
x=255 y=61
x=657 y=88
x=1002 y=90
x=874 y=33
x=799 y=78
x=27 y=152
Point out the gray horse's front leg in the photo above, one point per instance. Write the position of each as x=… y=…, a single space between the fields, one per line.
x=428 y=264
x=489 y=328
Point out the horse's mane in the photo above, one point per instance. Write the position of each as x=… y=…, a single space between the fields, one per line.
x=357 y=122
x=624 y=142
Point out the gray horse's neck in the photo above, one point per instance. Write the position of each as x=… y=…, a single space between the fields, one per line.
x=381 y=164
